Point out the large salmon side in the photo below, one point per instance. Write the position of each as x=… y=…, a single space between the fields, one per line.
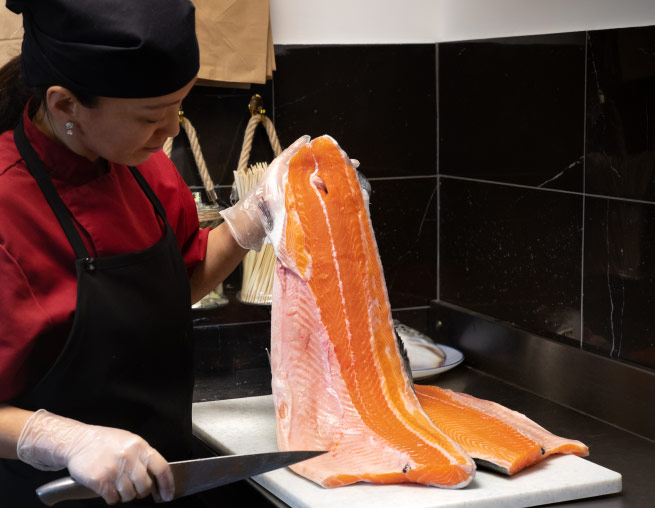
x=339 y=381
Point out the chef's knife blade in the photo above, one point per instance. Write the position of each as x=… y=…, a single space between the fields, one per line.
x=191 y=476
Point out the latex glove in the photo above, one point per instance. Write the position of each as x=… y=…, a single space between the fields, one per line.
x=112 y=462
x=249 y=219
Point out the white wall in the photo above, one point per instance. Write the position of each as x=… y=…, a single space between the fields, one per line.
x=354 y=21
x=480 y=19
x=425 y=21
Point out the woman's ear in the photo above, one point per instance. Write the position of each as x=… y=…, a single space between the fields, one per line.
x=62 y=103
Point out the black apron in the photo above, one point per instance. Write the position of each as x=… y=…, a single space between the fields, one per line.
x=128 y=360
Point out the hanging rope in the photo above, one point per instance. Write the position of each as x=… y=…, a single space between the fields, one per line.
x=257 y=117
x=168 y=147
x=254 y=121
x=208 y=215
x=197 y=155
x=258 y=267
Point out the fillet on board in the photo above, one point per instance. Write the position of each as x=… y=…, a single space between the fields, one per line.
x=339 y=378
x=495 y=436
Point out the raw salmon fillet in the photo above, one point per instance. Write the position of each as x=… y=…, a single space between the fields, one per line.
x=492 y=434
x=339 y=381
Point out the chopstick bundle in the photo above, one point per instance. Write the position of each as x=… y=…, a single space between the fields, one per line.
x=258 y=267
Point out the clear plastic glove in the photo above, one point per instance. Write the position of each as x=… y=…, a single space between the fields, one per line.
x=249 y=219
x=112 y=462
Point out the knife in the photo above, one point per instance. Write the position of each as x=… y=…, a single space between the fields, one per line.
x=191 y=476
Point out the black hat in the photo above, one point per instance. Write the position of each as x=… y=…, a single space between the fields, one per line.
x=109 y=48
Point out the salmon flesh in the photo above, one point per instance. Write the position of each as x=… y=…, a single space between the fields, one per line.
x=339 y=379
x=495 y=436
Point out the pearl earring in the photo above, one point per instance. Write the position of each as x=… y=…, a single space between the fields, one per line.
x=69 y=128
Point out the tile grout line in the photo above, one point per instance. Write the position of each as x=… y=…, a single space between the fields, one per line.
x=584 y=189
x=561 y=191
x=414 y=177
x=437 y=149
x=416 y=307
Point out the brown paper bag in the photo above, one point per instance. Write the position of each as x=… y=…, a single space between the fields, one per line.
x=236 y=43
x=11 y=34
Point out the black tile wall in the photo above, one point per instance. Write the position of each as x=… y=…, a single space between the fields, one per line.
x=619 y=280
x=620 y=162
x=403 y=214
x=513 y=253
x=378 y=102
x=232 y=347
x=620 y=111
x=512 y=110
x=562 y=244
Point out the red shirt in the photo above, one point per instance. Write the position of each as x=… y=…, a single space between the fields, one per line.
x=37 y=264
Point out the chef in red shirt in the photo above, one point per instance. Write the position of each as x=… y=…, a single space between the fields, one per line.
x=101 y=255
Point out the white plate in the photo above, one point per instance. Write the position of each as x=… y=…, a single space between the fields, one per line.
x=453 y=358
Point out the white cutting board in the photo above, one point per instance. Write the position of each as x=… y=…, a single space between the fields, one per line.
x=247 y=425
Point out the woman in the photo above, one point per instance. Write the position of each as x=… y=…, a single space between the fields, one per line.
x=100 y=251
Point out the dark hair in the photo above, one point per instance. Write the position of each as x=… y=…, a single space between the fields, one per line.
x=15 y=94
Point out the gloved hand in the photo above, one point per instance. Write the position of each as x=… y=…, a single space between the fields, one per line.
x=112 y=462
x=248 y=218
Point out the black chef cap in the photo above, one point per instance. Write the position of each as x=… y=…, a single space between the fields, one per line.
x=109 y=48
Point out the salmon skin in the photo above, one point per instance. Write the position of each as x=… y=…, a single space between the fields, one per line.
x=495 y=436
x=339 y=380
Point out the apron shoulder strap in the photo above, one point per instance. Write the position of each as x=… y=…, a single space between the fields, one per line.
x=159 y=208
x=40 y=174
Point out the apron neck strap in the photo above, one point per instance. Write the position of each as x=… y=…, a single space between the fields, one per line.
x=37 y=169
x=159 y=208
